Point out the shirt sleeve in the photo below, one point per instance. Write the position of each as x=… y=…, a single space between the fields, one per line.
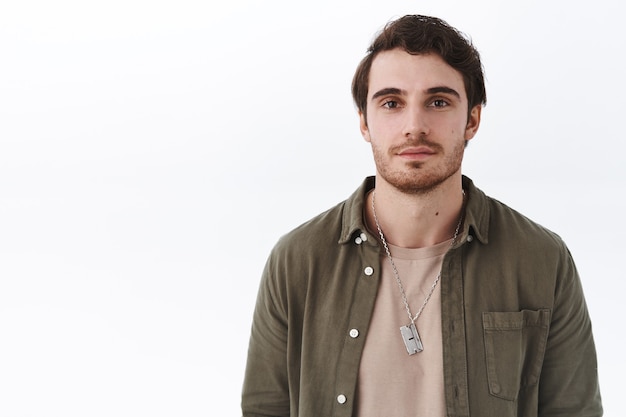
x=266 y=385
x=569 y=378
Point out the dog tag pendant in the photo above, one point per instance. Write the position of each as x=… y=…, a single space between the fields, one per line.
x=411 y=339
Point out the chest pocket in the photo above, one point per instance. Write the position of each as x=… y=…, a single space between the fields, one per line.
x=515 y=344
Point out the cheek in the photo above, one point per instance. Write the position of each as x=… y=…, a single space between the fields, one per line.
x=384 y=126
x=456 y=131
x=461 y=129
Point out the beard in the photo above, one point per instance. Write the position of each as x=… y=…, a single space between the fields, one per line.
x=417 y=177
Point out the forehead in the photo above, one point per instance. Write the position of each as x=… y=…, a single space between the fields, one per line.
x=413 y=73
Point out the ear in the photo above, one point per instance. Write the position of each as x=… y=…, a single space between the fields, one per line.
x=473 y=122
x=365 y=132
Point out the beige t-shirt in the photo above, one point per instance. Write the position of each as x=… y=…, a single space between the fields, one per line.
x=391 y=382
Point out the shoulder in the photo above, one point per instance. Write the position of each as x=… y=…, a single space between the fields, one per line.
x=312 y=235
x=327 y=230
x=508 y=223
x=498 y=224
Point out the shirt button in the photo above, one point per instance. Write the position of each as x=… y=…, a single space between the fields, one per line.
x=495 y=388
x=358 y=240
x=363 y=237
x=341 y=399
x=368 y=271
x=470 y=238
x=354 y=333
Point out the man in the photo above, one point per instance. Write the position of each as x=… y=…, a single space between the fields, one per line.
x=420 y=295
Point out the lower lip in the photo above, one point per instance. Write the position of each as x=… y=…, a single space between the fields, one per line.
x=415 y=156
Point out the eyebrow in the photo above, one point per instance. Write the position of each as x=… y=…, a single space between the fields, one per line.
x=388 y=91
x=443 y=89
x=432 y=90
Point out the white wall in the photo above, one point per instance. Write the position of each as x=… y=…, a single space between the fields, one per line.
x=151 y=153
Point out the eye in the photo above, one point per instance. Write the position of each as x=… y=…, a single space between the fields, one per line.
x=390 y=104
x=439 y=103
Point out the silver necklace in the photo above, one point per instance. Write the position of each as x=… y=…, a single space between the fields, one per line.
x=409 y=333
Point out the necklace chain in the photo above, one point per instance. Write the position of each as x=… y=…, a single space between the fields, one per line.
x=395 y=270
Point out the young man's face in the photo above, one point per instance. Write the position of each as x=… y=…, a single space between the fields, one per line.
x=417 y=120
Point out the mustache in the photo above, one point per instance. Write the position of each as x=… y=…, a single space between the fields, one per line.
x=415 y=142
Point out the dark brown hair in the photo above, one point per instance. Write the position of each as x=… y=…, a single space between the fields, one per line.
x=417 y=34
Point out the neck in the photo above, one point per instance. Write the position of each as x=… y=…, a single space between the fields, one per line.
x=416 y=220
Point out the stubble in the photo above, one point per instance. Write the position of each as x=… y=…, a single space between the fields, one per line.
x=416 y=177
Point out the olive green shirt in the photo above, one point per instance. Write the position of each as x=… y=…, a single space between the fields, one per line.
x=517 y=337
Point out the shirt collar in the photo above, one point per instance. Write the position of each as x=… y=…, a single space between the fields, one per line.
x=352 y=221
x=476 y=222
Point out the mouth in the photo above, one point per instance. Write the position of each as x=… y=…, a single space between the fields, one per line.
x=416 y=152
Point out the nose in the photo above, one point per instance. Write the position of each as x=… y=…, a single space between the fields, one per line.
x=415 y=123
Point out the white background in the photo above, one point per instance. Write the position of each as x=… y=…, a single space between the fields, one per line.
x=152 y=152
